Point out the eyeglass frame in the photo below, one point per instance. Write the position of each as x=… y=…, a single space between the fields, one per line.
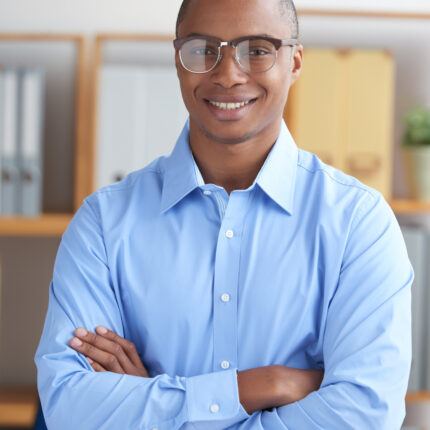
x=277 y=43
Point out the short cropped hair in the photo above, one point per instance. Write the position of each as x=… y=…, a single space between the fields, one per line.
x=286 y=8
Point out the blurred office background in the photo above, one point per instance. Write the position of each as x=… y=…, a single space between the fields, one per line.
x=369 y=63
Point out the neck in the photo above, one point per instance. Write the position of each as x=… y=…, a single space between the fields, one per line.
x=233 y=166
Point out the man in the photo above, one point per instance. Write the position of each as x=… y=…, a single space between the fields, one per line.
x=239 y=282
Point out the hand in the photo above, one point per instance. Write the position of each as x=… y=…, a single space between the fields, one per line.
x=274 y=386
x=298 y=383
x=107 y=351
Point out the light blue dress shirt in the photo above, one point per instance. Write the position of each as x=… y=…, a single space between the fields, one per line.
x=306 y=268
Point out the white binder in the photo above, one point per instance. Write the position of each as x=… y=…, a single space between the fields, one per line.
x=9 y=140
x=141 y=114
x=31 y=142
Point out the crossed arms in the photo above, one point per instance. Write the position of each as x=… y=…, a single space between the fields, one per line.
x=260 y=388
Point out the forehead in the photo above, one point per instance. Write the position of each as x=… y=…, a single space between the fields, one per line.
x=230 y=19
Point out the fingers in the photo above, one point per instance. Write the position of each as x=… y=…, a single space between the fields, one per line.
x=96 y=366
x=127 y=346
x=106 y=353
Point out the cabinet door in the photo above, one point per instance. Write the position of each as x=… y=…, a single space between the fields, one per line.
x=369 y=118
x=313 y=112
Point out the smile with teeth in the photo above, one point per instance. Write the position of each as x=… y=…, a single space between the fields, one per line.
x=228 y=106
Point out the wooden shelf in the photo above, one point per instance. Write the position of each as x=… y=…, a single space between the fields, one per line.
x=405 y=207
x=18 y=406
x=45 y=225
x=418 y=396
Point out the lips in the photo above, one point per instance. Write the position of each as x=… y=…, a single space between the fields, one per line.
x=229 y=108
x=228 y=105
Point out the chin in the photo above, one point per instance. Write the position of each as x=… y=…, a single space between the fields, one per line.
x=228 y=138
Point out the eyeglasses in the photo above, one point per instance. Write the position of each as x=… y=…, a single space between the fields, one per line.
x=254 y=54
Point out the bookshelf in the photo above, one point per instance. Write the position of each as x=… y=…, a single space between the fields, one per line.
x=54 y=223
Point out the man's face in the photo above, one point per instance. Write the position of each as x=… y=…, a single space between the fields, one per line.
x=266 y=92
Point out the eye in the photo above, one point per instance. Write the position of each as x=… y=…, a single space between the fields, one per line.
x=204 y=51
x=258 y=52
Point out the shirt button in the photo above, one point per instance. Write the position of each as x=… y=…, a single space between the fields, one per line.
x=229 y=233
x=225 y=364
x=207 y=192
x=225 y=297
x=214 y=408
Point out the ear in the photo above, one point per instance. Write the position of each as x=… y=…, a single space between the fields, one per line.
x=296 y=63
x=177 y=62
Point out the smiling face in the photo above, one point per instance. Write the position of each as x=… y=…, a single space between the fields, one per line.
x=228 y=104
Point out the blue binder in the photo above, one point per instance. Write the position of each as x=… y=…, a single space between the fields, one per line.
x=31 y=142
x=9 y=167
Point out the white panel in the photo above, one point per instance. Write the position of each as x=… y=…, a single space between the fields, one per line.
x=121 y=122
x=166 y=112
x=141 y=115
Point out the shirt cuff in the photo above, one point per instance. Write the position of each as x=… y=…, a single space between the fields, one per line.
x=214 y=397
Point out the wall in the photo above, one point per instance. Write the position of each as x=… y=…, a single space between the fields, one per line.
x=89 y=16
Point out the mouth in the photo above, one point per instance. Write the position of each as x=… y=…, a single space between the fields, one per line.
x=230 y=105
x=229 y=109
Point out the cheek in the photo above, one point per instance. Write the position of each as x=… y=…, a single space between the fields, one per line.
x=277 y=90
x=188 y=86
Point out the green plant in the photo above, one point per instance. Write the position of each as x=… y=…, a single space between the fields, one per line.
x=417 y=127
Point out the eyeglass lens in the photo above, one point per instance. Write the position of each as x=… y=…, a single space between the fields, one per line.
x=254 y=55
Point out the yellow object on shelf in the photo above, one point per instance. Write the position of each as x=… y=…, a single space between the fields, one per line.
x=341 y=109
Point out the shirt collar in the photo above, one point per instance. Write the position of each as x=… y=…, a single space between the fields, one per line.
x=179 y=172
x=276 y=177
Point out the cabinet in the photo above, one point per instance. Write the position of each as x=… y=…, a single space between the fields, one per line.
x=342 y=109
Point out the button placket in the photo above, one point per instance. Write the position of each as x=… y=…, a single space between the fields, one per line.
x=226 y=278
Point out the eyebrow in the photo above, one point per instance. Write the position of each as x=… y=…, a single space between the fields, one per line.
x=217 y=38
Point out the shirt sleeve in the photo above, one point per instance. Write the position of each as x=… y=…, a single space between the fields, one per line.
x=367 y=339
x=73 y=395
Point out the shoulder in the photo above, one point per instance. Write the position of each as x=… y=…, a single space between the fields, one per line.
x=318 y=171
x=332 y=188
x=146 y=182
x=138 y=194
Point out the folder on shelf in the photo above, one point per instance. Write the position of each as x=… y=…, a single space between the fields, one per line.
x=141 y=114
x=9 y=167
x=31 y=142
x=415 y=239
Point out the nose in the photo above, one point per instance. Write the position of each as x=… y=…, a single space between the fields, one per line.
x=228 y=73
